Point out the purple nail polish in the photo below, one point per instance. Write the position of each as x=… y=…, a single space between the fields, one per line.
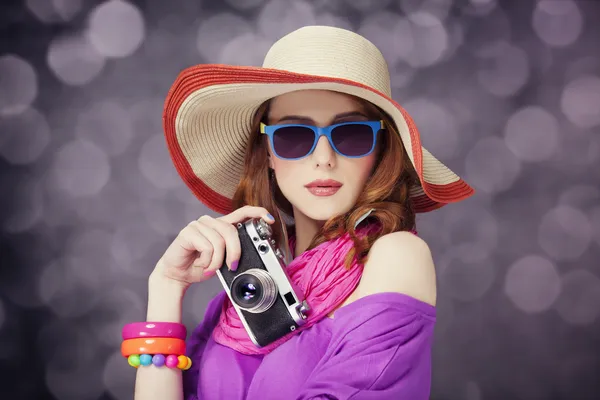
x=234 y=265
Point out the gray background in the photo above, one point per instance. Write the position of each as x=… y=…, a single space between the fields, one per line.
x=507 y=93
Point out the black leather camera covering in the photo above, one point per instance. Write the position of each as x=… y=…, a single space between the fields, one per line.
x=276 y=321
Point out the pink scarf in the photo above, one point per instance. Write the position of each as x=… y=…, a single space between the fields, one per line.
x=320 y=274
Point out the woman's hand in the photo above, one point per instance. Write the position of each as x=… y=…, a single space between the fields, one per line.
x=199 y=249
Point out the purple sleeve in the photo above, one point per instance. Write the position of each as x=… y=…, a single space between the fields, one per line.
x=380 y=349
x=196 y=343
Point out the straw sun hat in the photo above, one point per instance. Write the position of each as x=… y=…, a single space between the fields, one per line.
x=209 y=110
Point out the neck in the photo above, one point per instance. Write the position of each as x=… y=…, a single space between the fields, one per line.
x=306 y=229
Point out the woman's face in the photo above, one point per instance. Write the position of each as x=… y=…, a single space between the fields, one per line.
x=319 y=108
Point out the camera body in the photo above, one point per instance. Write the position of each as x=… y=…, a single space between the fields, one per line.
x=266 y=300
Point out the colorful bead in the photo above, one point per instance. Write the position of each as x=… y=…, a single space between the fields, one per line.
x=134 y=360
x=145 y=359
x=158 y=360
x=183 y=362
x=172 y=361
x=189 y=364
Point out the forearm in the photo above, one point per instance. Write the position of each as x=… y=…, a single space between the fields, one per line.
x=164 y=305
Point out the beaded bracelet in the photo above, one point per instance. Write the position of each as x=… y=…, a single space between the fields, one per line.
x=158 y=360
x=152 y=346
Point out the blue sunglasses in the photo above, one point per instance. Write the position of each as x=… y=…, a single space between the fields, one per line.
x=349 y=139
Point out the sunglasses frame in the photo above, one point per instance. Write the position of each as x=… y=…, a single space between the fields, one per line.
x=319 y=131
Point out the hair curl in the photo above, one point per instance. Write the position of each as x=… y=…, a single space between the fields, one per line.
x=387 y=190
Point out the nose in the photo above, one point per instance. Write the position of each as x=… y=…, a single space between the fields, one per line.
x=324 y=155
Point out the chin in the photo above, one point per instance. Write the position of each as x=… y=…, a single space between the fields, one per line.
x=323 y=209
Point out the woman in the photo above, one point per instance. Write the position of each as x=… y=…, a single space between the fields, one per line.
x=248 y=142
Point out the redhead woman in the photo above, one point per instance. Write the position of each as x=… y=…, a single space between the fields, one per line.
x=314 y=145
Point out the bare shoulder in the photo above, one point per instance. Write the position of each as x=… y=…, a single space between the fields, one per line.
x=400 y=262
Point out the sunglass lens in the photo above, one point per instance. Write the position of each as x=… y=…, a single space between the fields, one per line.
x=353 y=140
x=293 y=141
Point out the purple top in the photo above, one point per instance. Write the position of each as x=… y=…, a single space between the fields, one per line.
x=377 y=347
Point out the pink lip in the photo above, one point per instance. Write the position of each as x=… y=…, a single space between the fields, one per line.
x=325 y=183
x=323 y=191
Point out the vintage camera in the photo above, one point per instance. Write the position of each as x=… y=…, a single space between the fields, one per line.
x=267 y=301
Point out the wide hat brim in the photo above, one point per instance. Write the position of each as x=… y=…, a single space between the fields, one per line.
x=207 y=121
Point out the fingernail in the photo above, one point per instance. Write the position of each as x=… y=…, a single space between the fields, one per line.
x=234 y=265
x=270 y=217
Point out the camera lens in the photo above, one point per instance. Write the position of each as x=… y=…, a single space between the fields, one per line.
x=254 y=290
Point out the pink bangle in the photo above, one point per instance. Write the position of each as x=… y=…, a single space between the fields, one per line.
x=154 y=329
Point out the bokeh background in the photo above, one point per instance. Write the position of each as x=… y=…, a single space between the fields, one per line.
x=507 y=93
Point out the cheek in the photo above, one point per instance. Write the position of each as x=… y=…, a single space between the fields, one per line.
x=283 y=169
x=363 y=168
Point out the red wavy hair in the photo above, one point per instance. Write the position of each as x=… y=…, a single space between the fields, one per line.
x=387 y=190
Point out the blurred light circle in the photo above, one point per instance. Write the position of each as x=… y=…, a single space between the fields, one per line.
x=67 y=9
x=479 y=7
x=482 y=2
x=557 y=22
x=439 y=8
x=28 y=194
x=52 y=11
x=246 y=49
x=117 y=376
x=564 y=233
x=156 y=165
x=533 y=284
x=80 y=169
x=488 y=31
x=401 y=76
x=86 y=252
x=505 y=69
x=146 y=116
x=580 y=196
x=586 y=65
x=366 y=6
x=578 y=304
x=131 y=242
x=25 y=136
x=18 y=85
x=580 y=101
x=74 y=60
x=116 y=28
x=110 y=206
x=463 y=280
x=218 y=30
x=391 y=33
x=491 y=166
x=328 y=19
x=473 y=226
x=595 y=222
x=244 y=5
x=166 y=216
x=108 y=323
x=430 y=40
x=107 y=125
x=531 y=133
x=63 y=293
x=44 y=10
x=456 y=39
x=437 y=126
x=280 y=17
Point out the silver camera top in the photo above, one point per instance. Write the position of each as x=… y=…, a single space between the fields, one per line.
x=263 y=229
